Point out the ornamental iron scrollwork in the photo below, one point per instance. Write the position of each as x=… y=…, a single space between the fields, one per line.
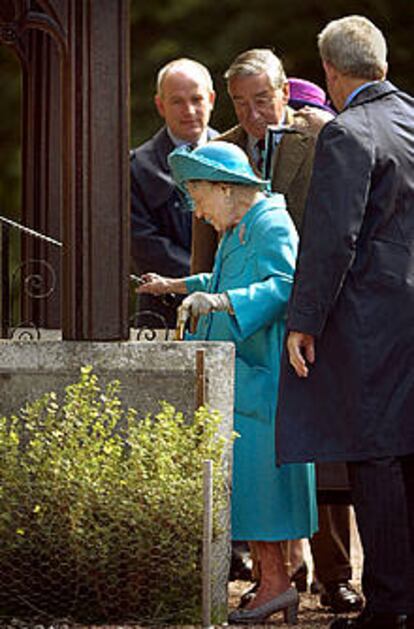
x=24 y=331
x=148 y=324
x=34 y=284
x=8 y=35
x=19 y=16
x=38 y=281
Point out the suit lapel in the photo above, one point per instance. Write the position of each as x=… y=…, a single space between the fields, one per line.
x=163 y=146
x=372 y=92
x=288 y=158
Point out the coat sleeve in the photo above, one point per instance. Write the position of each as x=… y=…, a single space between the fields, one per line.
x=265 y=300
x=151 y=249
x=334 y=214
x=198 y=282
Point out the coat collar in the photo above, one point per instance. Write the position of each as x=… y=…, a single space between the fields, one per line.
x=291 y=149
x=159 y=185
x=372 y=92
x=240 y=234
x=163 y=145
x=288 y=158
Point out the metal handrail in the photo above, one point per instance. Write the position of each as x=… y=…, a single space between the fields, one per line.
x=31 y=232
x=49 y=239
x=5 y=322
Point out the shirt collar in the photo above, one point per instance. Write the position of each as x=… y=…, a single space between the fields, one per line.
x=356 y=91
x=180 y=142
x=252 y=141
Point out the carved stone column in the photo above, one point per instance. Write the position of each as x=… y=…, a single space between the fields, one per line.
x=42 y=179
x=96 y=171
x=75 y=60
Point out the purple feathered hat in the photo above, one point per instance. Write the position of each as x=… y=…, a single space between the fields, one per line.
x=304 y=92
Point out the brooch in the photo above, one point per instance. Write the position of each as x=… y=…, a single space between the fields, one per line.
x=242 y=232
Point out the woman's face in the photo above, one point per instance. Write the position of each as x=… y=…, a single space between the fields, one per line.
x=212 y=201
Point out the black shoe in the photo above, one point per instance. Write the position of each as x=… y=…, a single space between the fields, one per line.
x=374 y=621
x=300 y=578
x=248 y=595
x=316 y=587
x=239 y=567
x=341 y=598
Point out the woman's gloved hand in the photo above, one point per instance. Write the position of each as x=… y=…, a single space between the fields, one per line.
x=198 y=304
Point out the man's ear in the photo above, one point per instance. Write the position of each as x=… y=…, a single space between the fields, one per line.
x=212 y=98
x=285 y=93
x=330 y=70
x=159 y=105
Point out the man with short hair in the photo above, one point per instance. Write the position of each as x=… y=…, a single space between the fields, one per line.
x=348 y=394
x=160 y=221
x=259 y=89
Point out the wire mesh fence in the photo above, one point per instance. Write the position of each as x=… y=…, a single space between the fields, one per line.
x=101 y=515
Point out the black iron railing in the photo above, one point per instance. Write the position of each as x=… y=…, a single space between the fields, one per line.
x=35 y=279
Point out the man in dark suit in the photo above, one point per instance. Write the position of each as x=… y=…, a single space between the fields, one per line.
x=259 y=90
x=160 y=221
x=349 y=393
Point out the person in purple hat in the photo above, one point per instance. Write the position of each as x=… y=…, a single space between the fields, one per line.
x=330 y=546
x=304 y=92
x=310 y=102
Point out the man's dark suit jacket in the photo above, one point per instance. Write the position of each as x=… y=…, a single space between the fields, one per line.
x=160 y=222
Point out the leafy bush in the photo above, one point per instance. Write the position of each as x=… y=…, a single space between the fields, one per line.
x=101 y=513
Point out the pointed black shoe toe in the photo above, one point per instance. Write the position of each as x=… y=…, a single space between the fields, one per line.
x=341 y=598
x=374 y=621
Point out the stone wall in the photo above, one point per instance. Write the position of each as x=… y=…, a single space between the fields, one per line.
x=148 y=372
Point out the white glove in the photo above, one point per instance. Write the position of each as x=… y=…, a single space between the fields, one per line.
x=201 y=304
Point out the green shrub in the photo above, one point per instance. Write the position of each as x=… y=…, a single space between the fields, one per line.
x=101 y=513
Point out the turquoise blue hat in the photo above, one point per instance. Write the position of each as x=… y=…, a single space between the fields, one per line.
x=214 y=161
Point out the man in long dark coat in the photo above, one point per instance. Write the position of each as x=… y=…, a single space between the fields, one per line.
x=348 y=393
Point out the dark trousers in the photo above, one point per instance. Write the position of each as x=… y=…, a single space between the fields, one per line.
x=383 y=497
x=331 y=545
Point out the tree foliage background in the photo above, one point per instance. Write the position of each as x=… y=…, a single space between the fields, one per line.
x=212 y=32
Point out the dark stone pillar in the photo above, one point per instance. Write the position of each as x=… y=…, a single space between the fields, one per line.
x=75 y=60
x=96 y=171
x=42 y=179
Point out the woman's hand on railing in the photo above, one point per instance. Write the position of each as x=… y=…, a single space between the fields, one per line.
x=155 y=284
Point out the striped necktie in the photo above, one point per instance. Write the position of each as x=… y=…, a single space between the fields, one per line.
x=260 y=148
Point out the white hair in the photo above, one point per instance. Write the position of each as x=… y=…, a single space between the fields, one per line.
x=258 y=61
x=355 y=47
x=193 y=68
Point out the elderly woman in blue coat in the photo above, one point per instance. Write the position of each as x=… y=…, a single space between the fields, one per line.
x=244 y=300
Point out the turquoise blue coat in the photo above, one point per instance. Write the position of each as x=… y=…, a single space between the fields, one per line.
x=254 y=265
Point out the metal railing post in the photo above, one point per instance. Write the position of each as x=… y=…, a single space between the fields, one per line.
x=5 y=281
x=207 y=541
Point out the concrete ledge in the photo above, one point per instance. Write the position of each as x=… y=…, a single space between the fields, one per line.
x=148 y=372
